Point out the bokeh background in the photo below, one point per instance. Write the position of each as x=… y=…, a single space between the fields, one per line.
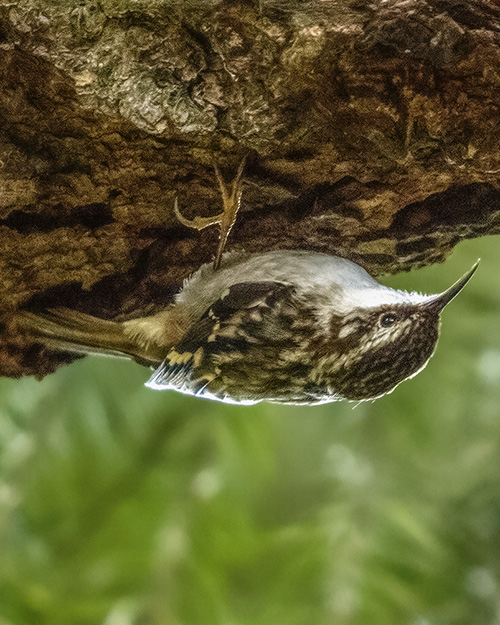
x=124 y=506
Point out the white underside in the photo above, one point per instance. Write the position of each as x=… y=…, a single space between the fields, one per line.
x=348 y=284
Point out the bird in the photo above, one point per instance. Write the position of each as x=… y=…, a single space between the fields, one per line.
x=283 y=326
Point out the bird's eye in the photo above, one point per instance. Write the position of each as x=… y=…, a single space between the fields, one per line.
x=387 y=319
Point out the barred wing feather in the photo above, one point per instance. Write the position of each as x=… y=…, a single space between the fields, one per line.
x=245 y=322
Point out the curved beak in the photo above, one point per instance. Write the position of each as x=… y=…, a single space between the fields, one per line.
x=438 y=302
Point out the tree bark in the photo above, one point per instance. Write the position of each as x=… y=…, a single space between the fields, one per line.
x=371 y=131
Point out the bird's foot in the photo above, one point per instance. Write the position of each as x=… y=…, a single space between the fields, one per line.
x=231 y=198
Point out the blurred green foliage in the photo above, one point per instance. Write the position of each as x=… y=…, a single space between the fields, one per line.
x=124 y=506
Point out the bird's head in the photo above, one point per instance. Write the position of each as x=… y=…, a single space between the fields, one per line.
x=378 y=347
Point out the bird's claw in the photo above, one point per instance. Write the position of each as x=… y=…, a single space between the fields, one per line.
x=231 y=199
x=197 y=223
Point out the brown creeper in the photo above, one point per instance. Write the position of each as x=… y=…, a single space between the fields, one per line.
x=292 y=327
x=287 y=326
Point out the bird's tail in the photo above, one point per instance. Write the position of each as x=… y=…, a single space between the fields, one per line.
x=64 y=329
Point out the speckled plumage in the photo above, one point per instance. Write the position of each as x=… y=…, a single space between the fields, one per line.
x=284 y=326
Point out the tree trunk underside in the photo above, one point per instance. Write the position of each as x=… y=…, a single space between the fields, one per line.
x=371 y=131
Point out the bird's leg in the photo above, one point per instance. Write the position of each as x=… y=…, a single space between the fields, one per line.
x=231 y=199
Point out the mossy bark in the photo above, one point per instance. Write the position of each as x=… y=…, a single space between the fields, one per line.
x=371 y=130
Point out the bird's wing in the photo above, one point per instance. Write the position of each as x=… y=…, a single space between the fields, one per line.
x=249 y=318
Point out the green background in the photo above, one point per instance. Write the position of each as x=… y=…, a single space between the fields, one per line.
x=124 y=506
